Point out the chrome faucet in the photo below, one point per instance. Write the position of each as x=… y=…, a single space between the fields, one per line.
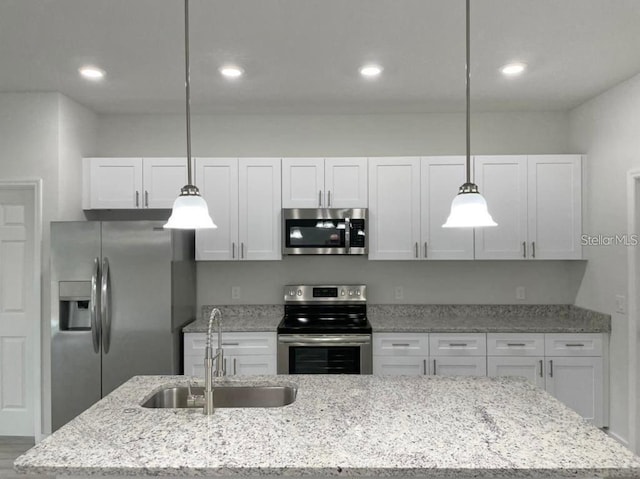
x=209 y=372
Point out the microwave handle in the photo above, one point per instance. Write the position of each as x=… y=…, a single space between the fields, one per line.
x=347 y=234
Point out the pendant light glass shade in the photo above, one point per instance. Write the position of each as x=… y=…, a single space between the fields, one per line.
x=190 y=210
x=469 y=210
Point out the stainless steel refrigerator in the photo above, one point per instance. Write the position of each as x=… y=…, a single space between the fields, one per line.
x=120 y=293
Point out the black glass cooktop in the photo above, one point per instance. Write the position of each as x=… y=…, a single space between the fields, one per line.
x=324 y=319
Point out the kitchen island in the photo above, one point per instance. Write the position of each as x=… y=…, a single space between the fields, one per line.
x=338 y=426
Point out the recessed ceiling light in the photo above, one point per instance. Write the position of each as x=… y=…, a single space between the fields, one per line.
x=513 y=69
x=92 y=73
x=231 y=71
x=370 y=71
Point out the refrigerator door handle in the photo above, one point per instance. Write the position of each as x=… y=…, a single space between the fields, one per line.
x=105 y=306
x=95 y=317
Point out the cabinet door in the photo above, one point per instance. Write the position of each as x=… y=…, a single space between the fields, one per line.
x=531 y=368
x=399 y=366
x=394 y=208
x=578 y=383
x=441 y=179
x=260 y=209
x=217 y=179
x=303 y=183
x=502 y=180
x=345 y=182
x=459 y=366
x=555 y=209
x=162 y=180
x=114 y=183
x=194 y=366
x=250 y=365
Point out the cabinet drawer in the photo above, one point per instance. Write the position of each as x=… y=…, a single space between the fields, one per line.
x=581 y=344
x=237 y=344
x=400 y=366
x=400 y=344
x=515 y=344
x=458 y=344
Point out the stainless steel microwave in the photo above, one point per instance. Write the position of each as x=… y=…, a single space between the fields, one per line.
x=324 y=231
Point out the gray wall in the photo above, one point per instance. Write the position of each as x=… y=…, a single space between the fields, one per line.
x=359 y=135
x=607 y=129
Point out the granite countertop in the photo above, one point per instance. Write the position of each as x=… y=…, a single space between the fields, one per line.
x=431 y=318
x=339 y=426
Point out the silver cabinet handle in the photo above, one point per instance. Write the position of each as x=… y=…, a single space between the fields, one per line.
x=551 y=368
x=105 y=300
x=137 y=199
x=574 y=345
x=400 y=345
x=224 y=364
x=434 y=368
x=460 y=345
x=231 y=344
x=233 y=250
x=425 y=366
x=242 y=250
x=524 y=249
x=329 y=198
x=512 y=345
x=95 y=321
x=533 y=249
x=146 y=199
x=541 y=366
x=320 y=198
x=425 y=249
x=235 y=371
x=416 y=249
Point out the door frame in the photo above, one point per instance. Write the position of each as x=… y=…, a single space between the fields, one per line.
x=633 y=292
x=35 y=187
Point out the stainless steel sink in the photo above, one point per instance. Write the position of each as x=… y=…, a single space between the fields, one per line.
x=223 y=397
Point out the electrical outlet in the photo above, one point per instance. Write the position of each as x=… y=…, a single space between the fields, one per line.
x=621 y=303
x=520 y=293
x=235 y=292
x=399 y=292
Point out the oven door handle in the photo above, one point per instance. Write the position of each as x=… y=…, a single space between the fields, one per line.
x=347 y=340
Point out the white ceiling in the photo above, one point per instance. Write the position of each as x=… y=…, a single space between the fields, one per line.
x=302 y=56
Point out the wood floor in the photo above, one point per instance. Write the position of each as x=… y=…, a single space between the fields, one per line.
x=10 y=448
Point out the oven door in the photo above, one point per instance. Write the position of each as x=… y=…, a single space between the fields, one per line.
x=324 y=354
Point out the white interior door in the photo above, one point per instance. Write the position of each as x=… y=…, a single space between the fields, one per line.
x=19 y=312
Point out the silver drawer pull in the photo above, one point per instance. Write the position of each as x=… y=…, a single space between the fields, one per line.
x=400 y=345
x=231 y=344
x=511 y=345
x=459 y=345
x=574 y=345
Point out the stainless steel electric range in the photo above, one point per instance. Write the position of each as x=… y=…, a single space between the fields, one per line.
x=325 y=330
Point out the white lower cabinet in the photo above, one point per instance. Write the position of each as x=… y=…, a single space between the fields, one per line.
x=245 y=354
x=570 y=366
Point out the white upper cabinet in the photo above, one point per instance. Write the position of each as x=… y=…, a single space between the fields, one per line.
x=243 y=196
x=324 y=183
x=555 y=213
x=132 y=183
x=394 y=208
x=536 y=201
x=410 y=198
x=441 y=177
x=502 y=180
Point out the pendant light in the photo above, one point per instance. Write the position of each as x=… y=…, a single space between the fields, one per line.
x=469 y=208
x=190 y=210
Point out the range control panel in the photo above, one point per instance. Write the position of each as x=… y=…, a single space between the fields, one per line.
x=325 y=293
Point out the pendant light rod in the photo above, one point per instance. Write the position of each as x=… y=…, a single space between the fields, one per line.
x=468 y=83
x=188 y=89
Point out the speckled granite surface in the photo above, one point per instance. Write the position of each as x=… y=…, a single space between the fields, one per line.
x=425 y=426
x=432 y=318
x=260 y=317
